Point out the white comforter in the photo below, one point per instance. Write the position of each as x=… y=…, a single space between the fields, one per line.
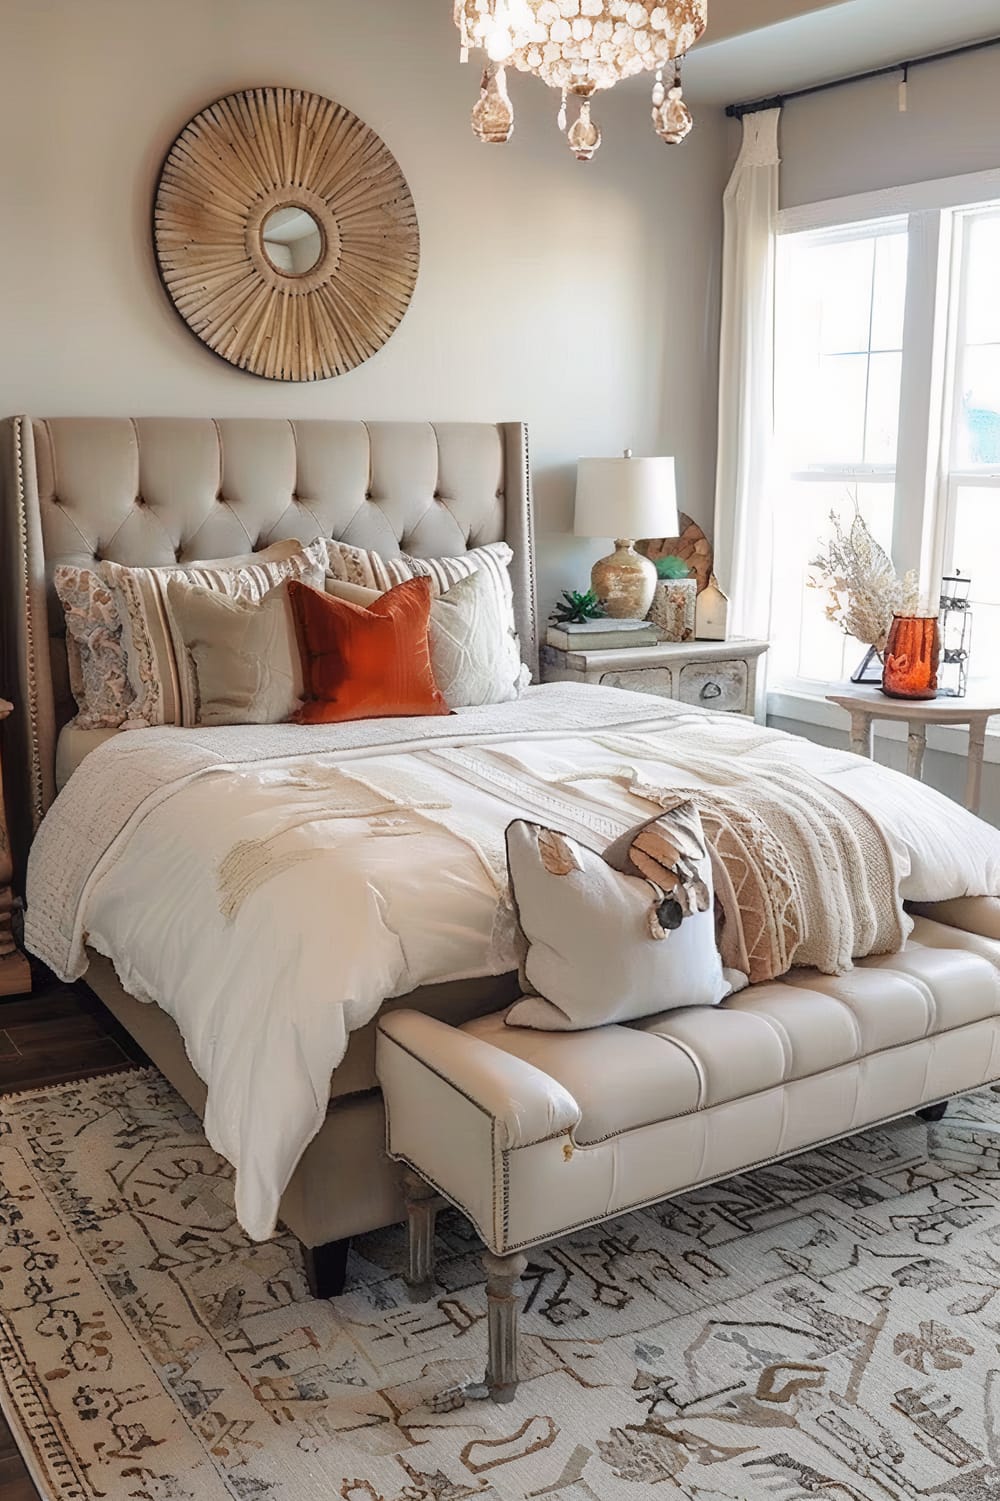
x=270 y=887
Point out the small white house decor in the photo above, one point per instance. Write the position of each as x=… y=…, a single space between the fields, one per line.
x=712 y=613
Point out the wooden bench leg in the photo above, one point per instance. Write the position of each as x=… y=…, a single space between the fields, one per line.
x=422 y=1203
x=503 y=1273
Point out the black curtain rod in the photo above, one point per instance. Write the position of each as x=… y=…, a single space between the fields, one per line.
x=737 y=111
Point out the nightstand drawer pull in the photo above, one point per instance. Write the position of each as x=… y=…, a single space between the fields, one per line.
x=721 y=685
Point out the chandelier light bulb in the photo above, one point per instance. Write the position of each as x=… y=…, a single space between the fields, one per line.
x=499 y=46
x=581 y=46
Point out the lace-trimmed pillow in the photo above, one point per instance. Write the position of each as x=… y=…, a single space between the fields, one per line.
x=154 y=647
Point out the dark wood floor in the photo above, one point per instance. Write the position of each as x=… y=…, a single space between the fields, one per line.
x=59 y=1032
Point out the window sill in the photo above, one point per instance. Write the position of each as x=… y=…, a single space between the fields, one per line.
x=807 y=704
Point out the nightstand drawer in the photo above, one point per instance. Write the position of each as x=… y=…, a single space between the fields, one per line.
x=655 y=680
x=715 y=685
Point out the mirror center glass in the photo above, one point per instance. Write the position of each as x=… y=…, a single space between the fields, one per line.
x=293 y=241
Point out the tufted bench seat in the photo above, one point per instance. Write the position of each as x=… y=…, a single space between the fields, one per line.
x=533 y=1134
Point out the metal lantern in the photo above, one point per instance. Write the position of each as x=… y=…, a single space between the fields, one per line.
x=956 y=635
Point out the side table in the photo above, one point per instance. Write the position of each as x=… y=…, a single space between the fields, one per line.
x=865 y=705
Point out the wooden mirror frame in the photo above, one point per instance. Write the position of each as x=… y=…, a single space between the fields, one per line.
x=231 y=166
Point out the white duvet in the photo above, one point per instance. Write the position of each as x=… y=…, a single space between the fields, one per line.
x=270 y=887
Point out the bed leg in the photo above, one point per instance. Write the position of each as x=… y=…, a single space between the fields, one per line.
x=326 y=1267
x=934 y=1113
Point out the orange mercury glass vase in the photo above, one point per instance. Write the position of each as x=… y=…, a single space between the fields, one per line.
x=912 y=656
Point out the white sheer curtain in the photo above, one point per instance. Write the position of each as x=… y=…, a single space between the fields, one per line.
x=743 y=504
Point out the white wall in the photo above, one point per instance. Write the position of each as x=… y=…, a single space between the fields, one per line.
x=582 y=299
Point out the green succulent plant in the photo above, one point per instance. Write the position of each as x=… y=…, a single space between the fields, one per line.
x=576 y=607
x=672 y=567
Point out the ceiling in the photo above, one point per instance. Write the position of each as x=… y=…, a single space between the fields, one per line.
x=760 y=47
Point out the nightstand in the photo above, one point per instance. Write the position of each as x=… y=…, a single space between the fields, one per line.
x=15 y=975
x=719 y=675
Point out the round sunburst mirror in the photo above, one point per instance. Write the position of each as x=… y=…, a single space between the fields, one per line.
x=286 y=235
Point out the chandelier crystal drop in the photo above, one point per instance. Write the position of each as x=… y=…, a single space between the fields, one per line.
x=579 y=47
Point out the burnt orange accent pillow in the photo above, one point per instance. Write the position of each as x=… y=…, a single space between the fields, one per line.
x=360 y=663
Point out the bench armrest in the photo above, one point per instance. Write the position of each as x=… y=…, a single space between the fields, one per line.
x=527 y=1105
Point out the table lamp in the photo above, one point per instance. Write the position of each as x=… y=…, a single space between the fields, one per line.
x=626 y=499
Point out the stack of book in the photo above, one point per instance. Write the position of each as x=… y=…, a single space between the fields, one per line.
x=603 y=635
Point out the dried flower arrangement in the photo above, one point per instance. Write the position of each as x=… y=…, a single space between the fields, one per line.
x=865 y=590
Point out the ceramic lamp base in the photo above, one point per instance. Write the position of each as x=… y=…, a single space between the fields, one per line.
x=624 y=582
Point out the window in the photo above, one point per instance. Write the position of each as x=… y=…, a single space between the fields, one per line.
x=972 y=506
x=887 y=398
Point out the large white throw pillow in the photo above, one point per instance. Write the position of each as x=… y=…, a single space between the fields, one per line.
x=608 y=947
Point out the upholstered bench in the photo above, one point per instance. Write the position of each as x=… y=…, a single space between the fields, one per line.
x=533 y=1134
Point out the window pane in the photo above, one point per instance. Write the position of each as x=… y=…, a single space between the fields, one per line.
x=843 y=274
x=979 y=417
x=983 y=301
x=889 y=302
x=977 y=398
x=838 y=301
x=806 y=643
x=882 y=428
x=975 y=551
x=836 y=415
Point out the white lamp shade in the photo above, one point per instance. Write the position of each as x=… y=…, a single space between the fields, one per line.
x=628 y=498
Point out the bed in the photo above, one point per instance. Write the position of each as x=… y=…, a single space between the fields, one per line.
x=147 y=870
x=159 y=490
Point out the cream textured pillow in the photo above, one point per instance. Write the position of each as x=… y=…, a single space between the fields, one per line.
x=607 y=947
x=475 y=653
x=241 y=657
x=155 y=654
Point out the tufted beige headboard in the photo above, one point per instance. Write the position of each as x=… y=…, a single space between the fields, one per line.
x=161 y=490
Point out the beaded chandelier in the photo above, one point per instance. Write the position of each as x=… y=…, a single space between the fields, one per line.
x=578 y=47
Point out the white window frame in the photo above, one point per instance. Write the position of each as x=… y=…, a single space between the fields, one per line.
x=924 y=519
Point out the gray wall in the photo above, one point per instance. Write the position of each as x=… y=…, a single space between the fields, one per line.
x=580 y=298
x=854 y=140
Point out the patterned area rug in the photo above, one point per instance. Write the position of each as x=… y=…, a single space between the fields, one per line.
x=824 y=1327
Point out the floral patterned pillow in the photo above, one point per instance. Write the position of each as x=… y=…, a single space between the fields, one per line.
x=98 y=672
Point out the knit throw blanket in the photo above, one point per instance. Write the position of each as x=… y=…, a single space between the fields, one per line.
x=803 y=877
